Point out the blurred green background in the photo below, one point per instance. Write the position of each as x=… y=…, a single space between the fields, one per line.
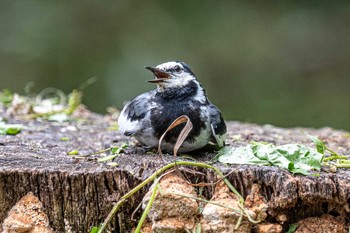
x=278 y=62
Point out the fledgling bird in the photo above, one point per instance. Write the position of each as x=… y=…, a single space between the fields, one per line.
x=147 y=116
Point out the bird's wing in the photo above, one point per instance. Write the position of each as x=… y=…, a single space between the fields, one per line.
x=133 y=115
x=218 y=125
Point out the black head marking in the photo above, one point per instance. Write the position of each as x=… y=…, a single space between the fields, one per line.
x=179 y=94
x=186 y=67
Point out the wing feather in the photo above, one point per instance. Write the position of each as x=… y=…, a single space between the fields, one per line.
x=134 y=114
x=218 y=125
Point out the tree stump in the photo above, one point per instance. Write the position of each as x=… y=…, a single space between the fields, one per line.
x=79 y=193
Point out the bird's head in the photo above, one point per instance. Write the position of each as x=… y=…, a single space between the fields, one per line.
x=174 y=74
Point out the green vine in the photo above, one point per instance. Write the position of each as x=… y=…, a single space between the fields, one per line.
x=153 y=178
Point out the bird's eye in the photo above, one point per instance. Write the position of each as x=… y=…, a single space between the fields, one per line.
x=177 y=69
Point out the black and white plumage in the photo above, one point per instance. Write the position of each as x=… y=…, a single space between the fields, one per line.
x=178 y=92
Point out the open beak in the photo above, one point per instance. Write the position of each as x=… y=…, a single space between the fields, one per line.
x=160 y=75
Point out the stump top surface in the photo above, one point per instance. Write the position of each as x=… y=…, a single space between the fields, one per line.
x=39 y=146
x=37 y=160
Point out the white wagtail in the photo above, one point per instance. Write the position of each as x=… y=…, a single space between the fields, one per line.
x=178 y=93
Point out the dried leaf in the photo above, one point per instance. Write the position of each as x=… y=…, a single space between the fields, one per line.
x=182 y=136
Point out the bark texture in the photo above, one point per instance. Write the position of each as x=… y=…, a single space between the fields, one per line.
x=79 y=193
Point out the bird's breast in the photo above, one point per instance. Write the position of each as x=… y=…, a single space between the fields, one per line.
x=167 y=112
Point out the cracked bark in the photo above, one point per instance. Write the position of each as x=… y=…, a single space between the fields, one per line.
x=78 y=194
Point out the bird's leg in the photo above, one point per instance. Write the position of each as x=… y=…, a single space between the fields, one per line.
x=149 y=149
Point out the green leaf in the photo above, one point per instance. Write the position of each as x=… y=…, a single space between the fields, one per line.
x=59 y=117
x=13 y=130
x=73 y=152
x=95 y=229
x=74 y=101
x=10 y=129
x=118 y=149
x=6 y=97
x=239 y=155
x=115 y=151
x=292 y=227
x=113 y=164
x=292 y=157
x=320 y=146
x=302 y=156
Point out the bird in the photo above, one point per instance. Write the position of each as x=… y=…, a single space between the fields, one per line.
x=178 y=93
